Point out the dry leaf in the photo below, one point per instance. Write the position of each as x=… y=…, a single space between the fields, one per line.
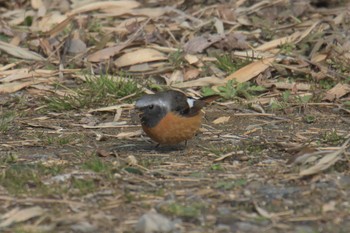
x=191 y=59
x=330 y=206
x=100 y=5
x=21 y=215
x=131 y=160
x=191 y=74
x=263 y=212
x=221 y=120
x=337 y=91
x=106 y=125
x=36 y=4
x=198 y=44
x=325 y=162
x=139 y=56
x=16 y=86
x=251 y=70
x=50 y=21
x=106 y=53
x=176 y=77
x=20 y=52
x=287 y=86
x=201 y=82
x=296 y=37
x=128 y=135
x=219 y=26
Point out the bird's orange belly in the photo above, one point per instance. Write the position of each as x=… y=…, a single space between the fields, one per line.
x=173 y=129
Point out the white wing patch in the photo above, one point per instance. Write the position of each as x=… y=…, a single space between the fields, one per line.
x=190 y=102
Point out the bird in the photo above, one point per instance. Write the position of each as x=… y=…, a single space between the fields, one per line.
x=170 y=117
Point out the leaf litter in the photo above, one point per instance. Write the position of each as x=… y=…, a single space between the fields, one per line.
x=285 y=87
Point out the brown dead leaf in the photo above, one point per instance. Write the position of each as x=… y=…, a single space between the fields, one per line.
x=191 y=74
x=105 y=5
x=328 y=207
x=36 y=4
x=176 y=77
x=128 y=25
x=233 y=41
x=147 y=12
x=264 y=213
x=226 y=13
x=251 y=70
x=337 y=92
x=59 y=27
x=325 y=162
x=296 y=37
x=191 y=59
x=221 y=120
x=128 y=135
x=112 y=124
x=17 y=215
x=200 y=43
x=53 y=20
x=20 y=52
x=102 y=152
x=288 y=86
x=219 y=25
x=107 y=53
x=16 y=86
x=140 y=56
x=280 y=41
x=205 y=81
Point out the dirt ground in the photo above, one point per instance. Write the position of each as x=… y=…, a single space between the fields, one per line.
x=236 y=176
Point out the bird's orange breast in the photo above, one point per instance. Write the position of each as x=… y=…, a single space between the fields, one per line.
x=173 y=128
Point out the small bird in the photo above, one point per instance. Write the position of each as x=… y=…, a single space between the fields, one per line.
x=170 y=117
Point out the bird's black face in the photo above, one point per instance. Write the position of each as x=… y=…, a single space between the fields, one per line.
x=151 y=115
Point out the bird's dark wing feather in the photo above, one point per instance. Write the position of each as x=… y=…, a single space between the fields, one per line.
x=199 y=104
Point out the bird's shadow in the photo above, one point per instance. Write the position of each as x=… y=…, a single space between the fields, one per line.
x=143 y=147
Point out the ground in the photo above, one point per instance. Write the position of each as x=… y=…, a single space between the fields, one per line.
x=53 y=164
x=272 y=153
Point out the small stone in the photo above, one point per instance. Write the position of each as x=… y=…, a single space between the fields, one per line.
x=152 y=222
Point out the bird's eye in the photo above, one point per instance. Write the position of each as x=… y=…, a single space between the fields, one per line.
x=151 y=106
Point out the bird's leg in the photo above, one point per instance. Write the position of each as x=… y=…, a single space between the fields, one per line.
x=157 y=146
x=186 y=143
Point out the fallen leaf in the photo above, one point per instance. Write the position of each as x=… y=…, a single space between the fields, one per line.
x=176 y=77
x=221 y=120
x=106 y=125
x=20 y=52
x=16 y=86
x=205 y=81
x=22 y=215
x=191 y=59
x=121 y=4
x=140 y=56
x=191 y=74
x=337 y=91
x=128 y=135
x=251 y=70
x=330 y=206
x=325 y=162
x=107 y=53
x=198 y=44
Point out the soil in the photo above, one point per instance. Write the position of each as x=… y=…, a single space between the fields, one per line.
x=256 y=188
